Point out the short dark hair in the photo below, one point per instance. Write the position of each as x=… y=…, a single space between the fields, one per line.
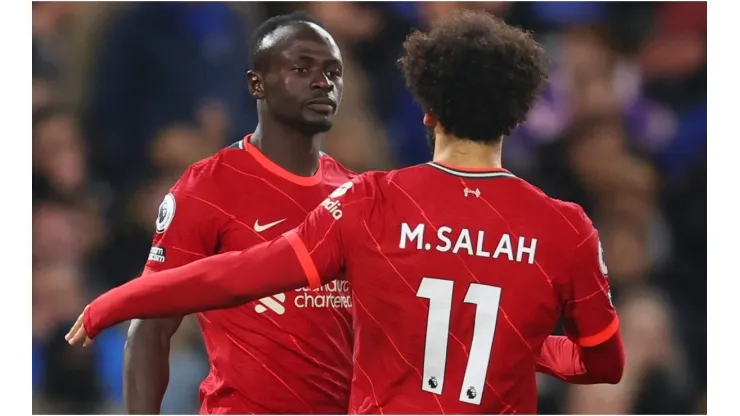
x=257 y=58
x=477 y=75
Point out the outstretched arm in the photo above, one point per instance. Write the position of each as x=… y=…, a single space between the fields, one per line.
x=216 y=282
x=301 y=257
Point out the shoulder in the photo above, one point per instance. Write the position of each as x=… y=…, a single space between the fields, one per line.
x=575 y=217
x=568 y=211
x=380 y=185
x=202 y=177
x=199 y=189
x=334 y=169
x=193 y=196
x=566 y=222
x=357 y=195
x=370 y=183
x=415 y=173
x=356 y=186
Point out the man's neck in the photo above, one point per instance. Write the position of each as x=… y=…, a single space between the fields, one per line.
x=288 y=148
x=466 y=153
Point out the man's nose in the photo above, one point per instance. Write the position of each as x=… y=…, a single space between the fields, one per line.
x=321 y=81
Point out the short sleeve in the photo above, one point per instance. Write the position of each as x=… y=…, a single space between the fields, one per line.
x=186 y=228
x=590 y=317
x=325 y=237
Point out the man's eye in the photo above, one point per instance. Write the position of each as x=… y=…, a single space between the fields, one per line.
x=299 y=69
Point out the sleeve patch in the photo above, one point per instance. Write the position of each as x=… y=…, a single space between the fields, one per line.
x=157 y=254
x=602 y=264
x=166 y=213
x=341 y=190
x=604 y=271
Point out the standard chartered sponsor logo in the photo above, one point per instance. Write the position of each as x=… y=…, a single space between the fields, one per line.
x=331 y=295
x=273 y=303
x=334 y=294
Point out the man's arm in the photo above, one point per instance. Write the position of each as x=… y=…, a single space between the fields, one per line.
x=221 y=281
x=146 y=364
x=592 y=352
x=311 y=254
x=186 y=231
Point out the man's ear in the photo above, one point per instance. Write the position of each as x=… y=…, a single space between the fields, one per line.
x=430 y=120
x=255 y=85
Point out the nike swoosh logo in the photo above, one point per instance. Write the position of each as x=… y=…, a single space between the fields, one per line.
x=259 y=228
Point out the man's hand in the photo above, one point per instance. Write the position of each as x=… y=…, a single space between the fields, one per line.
x=77 y=334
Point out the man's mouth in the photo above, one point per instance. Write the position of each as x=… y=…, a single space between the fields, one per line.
x=322 y=105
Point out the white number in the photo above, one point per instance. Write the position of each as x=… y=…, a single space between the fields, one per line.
x=439 y=293
x=486 y=298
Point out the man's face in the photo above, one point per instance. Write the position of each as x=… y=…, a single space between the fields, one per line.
x=303 y=83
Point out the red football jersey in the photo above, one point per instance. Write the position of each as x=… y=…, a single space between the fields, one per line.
x=284 y=354
x=457 y=278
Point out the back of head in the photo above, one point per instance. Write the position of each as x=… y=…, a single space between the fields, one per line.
x=476 y=75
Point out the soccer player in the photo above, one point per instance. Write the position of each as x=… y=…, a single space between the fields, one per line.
x=459 y=270
x=289 y=353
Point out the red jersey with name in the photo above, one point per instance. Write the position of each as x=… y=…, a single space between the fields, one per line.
x=285 y=354
x=457 y=279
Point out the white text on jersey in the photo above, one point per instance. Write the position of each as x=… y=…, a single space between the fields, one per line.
x=334 y=294
x=523 y=249
x=334 y=207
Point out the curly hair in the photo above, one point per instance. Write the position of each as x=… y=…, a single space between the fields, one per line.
x=474 y=73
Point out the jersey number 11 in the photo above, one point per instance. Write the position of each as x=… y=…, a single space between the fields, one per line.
x=486 y=299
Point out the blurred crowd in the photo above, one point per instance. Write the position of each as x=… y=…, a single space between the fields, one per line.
x=127 y=95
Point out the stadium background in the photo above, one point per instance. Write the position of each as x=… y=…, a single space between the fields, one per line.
x=127 y=95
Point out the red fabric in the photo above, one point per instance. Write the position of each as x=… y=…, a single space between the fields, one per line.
x=458 y=278
x=180 y=291
x=475 y=250
x=562 y=358
x=231 y=201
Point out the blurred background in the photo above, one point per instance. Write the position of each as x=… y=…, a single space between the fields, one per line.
x=127 y=95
